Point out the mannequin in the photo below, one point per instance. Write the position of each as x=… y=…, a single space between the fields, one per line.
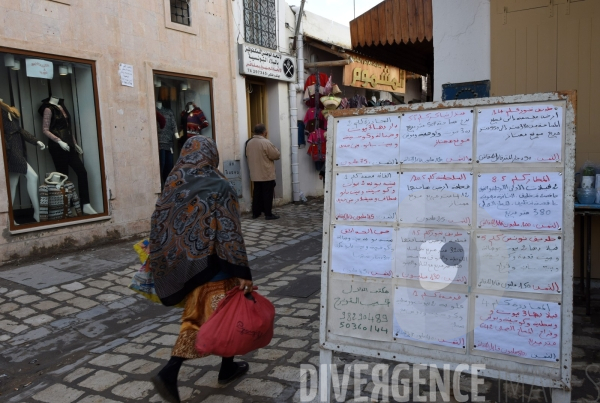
x=166 y=137
x=17 y=163
x=63 y=148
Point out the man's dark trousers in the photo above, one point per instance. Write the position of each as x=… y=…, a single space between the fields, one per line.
x=262 y=198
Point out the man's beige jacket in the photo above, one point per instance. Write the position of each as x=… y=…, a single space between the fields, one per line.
x=261 y=154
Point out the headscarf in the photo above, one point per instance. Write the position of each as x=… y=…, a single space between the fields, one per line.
x=195 y=228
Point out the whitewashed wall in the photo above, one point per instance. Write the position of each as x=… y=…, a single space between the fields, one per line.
x=461 y=42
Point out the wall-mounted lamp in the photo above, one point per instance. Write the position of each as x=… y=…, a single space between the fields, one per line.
x=62 y=70
x=70 y=69
x=157 y=82
x=9 y=60
x=184 y=86
x=17 y=65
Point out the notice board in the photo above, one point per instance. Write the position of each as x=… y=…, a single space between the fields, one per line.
x=448 y=235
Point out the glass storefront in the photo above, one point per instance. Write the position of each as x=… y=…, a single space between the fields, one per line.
x=183 y=109
x=51 y=141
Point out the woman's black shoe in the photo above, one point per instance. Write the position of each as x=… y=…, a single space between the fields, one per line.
x=242 y=368
x=166 y=390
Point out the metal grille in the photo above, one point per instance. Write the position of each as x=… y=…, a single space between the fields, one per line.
x=260 y=23
x=180 y=12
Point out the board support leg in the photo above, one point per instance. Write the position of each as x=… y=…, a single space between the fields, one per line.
x=561 y=396
x=326 y=359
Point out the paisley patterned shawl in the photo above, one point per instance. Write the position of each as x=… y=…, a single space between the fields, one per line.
x=195 y=228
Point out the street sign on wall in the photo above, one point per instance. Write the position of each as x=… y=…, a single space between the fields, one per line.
x=257 y=61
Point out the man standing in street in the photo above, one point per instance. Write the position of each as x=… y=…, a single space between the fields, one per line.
x=262 y=154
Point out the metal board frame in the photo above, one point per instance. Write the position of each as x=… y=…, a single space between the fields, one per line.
x=553 y=375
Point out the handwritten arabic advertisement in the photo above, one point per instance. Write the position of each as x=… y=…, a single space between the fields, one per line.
x=519 y=262
x=440 y=198
x=368 y=141
x=443 y=240
x=520 y=134
x=367 y=196
x=262 y=62
x=436 y=255
x=528 y=201
x=361 y=309
x=432 y=317
x=363 y=251
x=517 y=327
x=444 y=136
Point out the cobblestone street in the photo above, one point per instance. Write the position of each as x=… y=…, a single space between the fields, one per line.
x=71 y=330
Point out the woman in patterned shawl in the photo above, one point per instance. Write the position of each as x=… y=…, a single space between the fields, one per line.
x=197 y=253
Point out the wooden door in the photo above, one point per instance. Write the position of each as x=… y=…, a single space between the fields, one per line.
x=556 y=47
x=524 y=49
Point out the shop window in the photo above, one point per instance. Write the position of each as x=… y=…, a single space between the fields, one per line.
x=51 y=140
x=180 y=12
x=260 y=22
x=185 y=104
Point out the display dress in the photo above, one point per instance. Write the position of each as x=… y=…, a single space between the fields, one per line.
x=15 y=148
x=57 y=126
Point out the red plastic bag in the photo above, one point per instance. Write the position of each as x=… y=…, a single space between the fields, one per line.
x=240 y=324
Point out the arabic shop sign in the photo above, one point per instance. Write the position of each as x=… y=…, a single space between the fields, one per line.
x=370 y=74
x=261 y=62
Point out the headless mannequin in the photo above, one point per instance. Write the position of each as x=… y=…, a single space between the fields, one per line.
x=190 y=107
x=86 y=208
x=30 y=175
x=159 y=105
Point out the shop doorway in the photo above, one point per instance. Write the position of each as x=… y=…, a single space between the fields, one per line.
x=256 y=103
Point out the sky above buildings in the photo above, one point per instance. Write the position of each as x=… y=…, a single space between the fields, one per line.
x=341 y=11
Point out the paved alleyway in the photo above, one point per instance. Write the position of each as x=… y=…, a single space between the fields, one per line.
x=71 y=330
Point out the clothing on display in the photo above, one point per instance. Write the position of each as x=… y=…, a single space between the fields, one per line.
x=166 y=133
x=309 y=120
x=57 y=199
x=312 y=79
x=309 y=96
x=57 y=126
x=160 y=119
x=195 y=121
x=14 y=135
x=357 y=101
x=317 y=148
x=301 y=133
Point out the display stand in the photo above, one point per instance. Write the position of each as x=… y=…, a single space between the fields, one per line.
x=439 y=219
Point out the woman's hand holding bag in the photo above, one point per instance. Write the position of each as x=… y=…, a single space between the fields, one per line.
x=240 y=324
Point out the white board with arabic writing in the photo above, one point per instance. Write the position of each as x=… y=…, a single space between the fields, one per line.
x=527 y=201
x=363 y=250
x=519 y=262
x=436 y=198
x=367 y=140
x=443 y=136
x=366 y=196
x=517 y=327
x=529 y=133
x=433 y=255
x=361 y=309
x=433 y=317
x=475 y=205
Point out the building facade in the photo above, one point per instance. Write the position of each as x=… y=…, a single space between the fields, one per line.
x=86 y=89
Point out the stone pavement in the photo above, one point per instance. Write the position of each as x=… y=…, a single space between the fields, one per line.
x=71 y=330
